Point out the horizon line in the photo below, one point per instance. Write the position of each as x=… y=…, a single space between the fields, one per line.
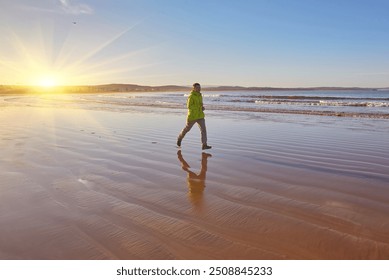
x=189 y=86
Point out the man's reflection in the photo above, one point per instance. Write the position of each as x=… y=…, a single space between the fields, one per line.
x=196 y=182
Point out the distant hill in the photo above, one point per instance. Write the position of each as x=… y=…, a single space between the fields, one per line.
x=235 y=88
x=130 y=88
x=92 y=88
x=165 y=88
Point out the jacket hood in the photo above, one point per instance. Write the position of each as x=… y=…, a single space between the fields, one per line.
x=195 y=92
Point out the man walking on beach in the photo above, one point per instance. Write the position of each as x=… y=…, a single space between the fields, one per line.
x=195 y=115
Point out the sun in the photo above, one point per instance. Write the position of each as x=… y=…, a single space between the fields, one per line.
x=38 y=63
x=47 y=81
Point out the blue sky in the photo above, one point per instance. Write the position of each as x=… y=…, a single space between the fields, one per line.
x=153 y=42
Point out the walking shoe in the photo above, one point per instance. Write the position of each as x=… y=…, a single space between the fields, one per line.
x=178 y=142
x=206 y=147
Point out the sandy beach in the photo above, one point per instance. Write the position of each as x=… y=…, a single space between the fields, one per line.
x=79 y=183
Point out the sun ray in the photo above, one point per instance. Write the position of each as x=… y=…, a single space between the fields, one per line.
x=67 y=49
x=100 y=47
x=24 y=54
x=111 y=60
x=51 y=59
x=9 y=65
x=97 y=75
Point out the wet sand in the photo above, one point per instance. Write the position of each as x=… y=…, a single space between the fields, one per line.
x=89 y=184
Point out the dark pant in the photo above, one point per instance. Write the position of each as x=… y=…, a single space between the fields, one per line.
x=188 y=127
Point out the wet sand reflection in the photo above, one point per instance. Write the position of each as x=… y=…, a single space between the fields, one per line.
x=196 y=182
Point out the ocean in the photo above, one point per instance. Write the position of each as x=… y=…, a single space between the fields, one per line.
x=341 y=103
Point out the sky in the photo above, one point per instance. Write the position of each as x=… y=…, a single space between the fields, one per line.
x=276 y=43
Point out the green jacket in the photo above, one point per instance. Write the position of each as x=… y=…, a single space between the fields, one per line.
x=195 y=106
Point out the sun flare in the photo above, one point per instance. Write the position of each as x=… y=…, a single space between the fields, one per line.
x=37 y=62
x=48 y=79
x=47 y=82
